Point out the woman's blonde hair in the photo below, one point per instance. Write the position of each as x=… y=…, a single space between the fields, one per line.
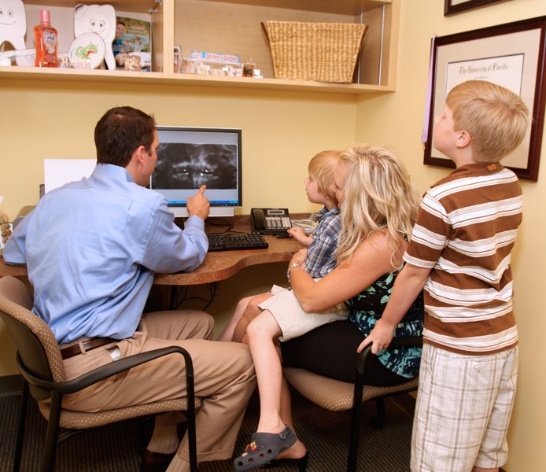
x=495 y=117
x=321 y=170
x=378 y=196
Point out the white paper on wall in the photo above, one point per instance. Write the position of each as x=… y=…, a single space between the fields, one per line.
x=58 y=172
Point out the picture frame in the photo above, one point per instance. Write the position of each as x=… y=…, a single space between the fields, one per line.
x=456 y=6
x=511 y=55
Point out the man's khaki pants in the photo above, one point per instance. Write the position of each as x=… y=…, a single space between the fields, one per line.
x=224 y=378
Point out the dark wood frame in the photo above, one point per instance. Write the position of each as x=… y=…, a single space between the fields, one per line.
x=536 y=109
x=450 y=9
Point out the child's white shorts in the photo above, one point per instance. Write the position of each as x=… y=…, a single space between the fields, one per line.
x=291 y=317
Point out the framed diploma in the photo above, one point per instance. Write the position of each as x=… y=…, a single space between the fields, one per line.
x=511 y=55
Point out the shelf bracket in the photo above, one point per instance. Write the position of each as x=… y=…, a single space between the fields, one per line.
x=158 y=3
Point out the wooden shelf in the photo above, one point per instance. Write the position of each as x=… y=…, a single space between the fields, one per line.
x=192 y=23
x=160 y=78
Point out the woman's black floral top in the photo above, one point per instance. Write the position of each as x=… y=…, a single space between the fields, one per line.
x=367 y=307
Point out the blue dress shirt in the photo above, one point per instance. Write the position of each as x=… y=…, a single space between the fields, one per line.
x=91 y=249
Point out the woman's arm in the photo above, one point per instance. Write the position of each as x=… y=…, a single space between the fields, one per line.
x=370 y=261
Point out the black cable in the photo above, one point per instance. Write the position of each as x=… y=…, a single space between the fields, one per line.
x=219 y=222
x=182 y=296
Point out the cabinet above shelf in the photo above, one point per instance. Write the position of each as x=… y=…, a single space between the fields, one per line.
x=340 y=7
x=137 y=6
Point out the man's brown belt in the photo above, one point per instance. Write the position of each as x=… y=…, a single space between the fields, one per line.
x=84 y=346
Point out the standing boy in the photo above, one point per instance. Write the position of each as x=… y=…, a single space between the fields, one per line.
x=460 y=253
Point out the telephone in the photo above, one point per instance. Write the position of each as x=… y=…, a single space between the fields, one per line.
x=270 y=220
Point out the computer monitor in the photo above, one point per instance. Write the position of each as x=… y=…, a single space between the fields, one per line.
x=190 y=157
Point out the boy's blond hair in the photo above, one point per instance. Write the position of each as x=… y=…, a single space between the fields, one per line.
x=378 y=196
x=321 y=170
x=495 y=118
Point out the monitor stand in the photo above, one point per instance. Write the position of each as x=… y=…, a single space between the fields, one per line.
x=222 y=212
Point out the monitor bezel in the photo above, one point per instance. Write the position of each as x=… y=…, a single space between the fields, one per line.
x=218 y=208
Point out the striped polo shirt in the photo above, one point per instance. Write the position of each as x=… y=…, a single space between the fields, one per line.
x=465 y=232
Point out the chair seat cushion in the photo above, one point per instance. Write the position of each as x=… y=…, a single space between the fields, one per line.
x=83 y=420
x=336 y=395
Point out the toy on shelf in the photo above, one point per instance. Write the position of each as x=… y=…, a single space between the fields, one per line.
x=13 y=23
x=100 y=20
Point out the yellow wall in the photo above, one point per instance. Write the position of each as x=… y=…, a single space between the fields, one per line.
x=44 y=119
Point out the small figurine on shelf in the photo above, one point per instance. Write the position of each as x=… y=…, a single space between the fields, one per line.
x=5 y=230
x=101 y=20
x=13 y=23
x=248 y=68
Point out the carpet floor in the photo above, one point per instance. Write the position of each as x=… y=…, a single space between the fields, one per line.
x=117 y=448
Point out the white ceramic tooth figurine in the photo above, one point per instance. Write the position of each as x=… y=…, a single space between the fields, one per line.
x=101 y=20
x=13 y=23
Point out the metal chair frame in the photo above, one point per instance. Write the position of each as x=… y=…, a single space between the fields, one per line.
x=33 y=360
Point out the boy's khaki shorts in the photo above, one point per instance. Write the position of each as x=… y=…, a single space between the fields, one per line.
x=463 y=409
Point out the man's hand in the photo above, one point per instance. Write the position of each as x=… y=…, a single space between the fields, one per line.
x=381 y=337
x=198 y=204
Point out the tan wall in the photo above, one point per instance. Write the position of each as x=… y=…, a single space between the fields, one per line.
x=281 y=132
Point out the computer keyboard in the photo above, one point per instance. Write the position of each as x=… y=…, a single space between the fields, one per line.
x=236 y=241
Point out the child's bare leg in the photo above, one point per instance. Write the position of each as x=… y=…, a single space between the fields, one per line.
x=298 y=450
x=275 y=406
x=250 y=312
x=227 y=333
x=261 y=335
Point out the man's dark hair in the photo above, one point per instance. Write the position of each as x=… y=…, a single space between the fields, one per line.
x=120 y=132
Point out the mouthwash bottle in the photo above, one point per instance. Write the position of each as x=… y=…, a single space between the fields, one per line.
x=46 y=42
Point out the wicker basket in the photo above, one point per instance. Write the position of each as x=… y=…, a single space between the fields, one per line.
x=326 y=52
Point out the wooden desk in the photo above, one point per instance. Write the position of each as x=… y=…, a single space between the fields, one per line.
x=224 y=264
x=217 y=265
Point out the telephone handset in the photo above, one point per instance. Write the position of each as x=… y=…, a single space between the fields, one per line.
x=270 y=220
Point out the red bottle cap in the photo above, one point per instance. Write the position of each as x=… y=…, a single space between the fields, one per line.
x=44 y=17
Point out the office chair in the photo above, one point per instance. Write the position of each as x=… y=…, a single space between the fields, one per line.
x=39 y=360
x=335 y=395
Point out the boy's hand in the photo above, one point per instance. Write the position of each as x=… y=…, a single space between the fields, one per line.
x=299 y=235
x=381 y=337
x=198 y=204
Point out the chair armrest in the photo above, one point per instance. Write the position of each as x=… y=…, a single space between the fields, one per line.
x=108 y=370
x=408 y=341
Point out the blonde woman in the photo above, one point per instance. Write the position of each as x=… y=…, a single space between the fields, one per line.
x=378 y=209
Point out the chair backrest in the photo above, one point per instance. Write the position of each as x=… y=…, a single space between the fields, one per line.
x=36 y=345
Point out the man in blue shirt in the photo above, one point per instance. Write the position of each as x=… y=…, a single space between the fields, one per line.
x=91 y=249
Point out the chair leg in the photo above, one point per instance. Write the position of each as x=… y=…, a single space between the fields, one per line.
x=379 y=419
x=21 y=429
x=52 y=434
x=355 y=424
x=190 y=413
